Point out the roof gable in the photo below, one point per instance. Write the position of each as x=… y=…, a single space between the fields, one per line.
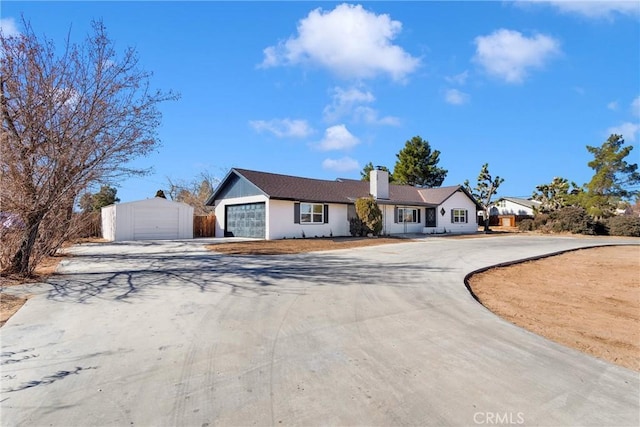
x=441 y=194
x=235 y=185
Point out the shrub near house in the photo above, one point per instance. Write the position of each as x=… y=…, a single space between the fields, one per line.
x=574 y=219
x=624 y=225
x=370 y=214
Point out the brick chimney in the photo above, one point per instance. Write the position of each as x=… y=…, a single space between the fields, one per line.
x=379 y=183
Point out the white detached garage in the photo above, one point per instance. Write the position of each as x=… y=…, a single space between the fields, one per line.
x=150 y=219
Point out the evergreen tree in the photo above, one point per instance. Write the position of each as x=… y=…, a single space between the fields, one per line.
x=94 y=202
x=365 y=173
x=614 y=179
x=417 y=165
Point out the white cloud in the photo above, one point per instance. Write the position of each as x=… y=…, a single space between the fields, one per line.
x=592 y=9
x=349 y=41
x=283 y=128
x=344 y=164
x=270 y=57
x=628 y=130
x=344 y=101
x=8 y=27
x=509 y=55
x=370 y=116
x=635 y=106
x=458 y=79
x=352 y=96
x=349 y=103
x=613 y=105
x=456 y=97
x=337 y=138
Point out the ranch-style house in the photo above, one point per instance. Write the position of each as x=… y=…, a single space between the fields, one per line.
x=272 y=206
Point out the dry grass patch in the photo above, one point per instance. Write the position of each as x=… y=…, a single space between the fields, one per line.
x=10 y=304
x=296 y=246
x=587 y=299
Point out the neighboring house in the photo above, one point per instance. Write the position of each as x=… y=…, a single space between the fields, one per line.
x=513 y=206
x=509 y=211
x=272 y=206
x=150 y=219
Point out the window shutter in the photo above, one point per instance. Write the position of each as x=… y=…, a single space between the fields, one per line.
x=419 y=220
x=326 y=214
x=466 y=216
x=296 y=213
x=395 y=214
x=451 y=216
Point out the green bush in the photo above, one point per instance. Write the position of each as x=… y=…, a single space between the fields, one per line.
x=526 y=225
x=573 y=219
x=368 y=211
x=624 y=225
x=357 y=228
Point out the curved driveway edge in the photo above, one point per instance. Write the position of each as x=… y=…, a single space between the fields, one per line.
x=167 y=333
x=532 y=258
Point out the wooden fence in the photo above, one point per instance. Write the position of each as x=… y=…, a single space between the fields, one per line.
x=204 y=226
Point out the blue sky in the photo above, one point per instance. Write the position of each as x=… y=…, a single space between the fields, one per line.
x=318 y=89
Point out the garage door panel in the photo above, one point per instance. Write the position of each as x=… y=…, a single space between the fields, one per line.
x=247 y=220
x=155 y=224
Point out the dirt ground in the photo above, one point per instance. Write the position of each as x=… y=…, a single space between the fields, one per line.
x=9 y=304
x=587 y=299
x=296 y=246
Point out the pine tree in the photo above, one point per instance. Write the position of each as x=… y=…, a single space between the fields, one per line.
x=417 y=165
x=614 y=179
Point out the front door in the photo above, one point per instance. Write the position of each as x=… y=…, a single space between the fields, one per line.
x=430 y=217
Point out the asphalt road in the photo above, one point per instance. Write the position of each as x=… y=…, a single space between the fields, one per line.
x=168 y=334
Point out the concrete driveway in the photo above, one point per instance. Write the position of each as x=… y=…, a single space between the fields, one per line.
x=168 y=334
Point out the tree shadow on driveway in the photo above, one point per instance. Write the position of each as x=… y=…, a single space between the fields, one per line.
x=126 y=276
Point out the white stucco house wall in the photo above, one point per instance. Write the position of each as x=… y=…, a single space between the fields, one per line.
x=513 y=206
x=150 y=219
x=273 y=206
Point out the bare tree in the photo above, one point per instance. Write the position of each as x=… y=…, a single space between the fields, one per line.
x=70 y=119
x=195 y=192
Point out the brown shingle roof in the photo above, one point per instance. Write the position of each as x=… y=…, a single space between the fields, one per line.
x=286 y=187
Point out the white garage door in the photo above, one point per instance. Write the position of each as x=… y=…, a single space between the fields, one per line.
x=149 y=224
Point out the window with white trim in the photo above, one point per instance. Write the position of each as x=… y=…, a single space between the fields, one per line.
x=458 y=216
x=408 y=215
x=311 y=213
